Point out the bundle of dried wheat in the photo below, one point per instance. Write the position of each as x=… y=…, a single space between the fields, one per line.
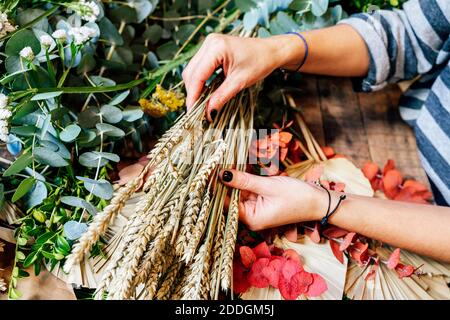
x=178 y=243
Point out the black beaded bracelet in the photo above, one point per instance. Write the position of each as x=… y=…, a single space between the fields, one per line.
x=324 y=221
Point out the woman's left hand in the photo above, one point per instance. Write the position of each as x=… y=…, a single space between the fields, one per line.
x=268 y=202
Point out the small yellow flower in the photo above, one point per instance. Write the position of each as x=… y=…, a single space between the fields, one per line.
x=174 y=100
x=153 y=108
x=162 y=102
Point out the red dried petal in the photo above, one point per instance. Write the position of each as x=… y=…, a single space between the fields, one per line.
x=318 y=286
x=334 y=232
x=291 y=289
x=314 y=235
x=359 y=252
x=291 y=254
x=347 y=241
x=337 y=253
x=273 y=270
x=240 y=282
x=262 y=250
x=394 y=259
x=416 y=185
x=328 y=151
x=247 y=256
x=409 y=194
x=256 y=277
x=370 y=170
x=391 y=182
x=390 y=165
x=289 y=268
x=283 y=153
x=291 y=233
x=285 y=137
x=404 y=270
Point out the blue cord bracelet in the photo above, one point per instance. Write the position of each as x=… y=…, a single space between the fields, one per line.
x=306 y=49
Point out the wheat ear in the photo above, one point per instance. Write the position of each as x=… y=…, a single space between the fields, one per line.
x=230 y=240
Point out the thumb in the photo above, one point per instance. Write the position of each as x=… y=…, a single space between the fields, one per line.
x=246 y=181
x=226 y=91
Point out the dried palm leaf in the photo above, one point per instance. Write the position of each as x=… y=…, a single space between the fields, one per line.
x=386 y=284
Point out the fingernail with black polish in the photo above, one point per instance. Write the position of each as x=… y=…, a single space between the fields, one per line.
x=213 y=114
x=227 y=176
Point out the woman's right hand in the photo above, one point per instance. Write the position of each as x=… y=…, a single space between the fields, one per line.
x=244 y=61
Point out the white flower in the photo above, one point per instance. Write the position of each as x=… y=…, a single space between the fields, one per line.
x=60 y=34
x=27 y=53
x=87 y=10
x=4 y=131
x=82 y=34
x=46 y=40
x=4 y=114
x=3 y=17
x=3 y=101
x=3 y=286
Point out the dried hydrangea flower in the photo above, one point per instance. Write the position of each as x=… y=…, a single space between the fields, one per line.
x=82 y=34
x=5 y=26
x=3 y=101
x=27 y=53
x=87 y=10
x=46 y=40
x=5 y=114
x=3 y=286
x=60 y=35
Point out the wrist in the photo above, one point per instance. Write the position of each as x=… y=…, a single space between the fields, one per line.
x=288 y=51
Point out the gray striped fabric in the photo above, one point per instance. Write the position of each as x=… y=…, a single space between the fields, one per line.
x=404 y=44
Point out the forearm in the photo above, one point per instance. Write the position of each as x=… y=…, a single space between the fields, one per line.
x=337 y=51
x=424 y=229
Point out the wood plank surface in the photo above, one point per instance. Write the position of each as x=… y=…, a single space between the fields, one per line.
x=362 y=126
x=342 y=119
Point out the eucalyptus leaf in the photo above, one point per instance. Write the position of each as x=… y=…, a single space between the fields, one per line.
x=74 y=229
x=70 y=133
x=109 y=32
x=109 y=130
x=20 y=40
x=319 y=7
x=100 y=188
x=79 y=203
x=131 y=114
x=153 y=33
x=143 y=9
x=152 y=60
x=102 y=81
x=36 y=195
x=49 y=157
x=111 y=114
x=167 y=50
x=119 y=98
x=92 y=160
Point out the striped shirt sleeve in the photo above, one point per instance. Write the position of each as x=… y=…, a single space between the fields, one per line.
x=403 y=43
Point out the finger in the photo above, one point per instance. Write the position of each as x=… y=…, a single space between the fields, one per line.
x=227 y=90
x=198 y=71
x=246 y=181
x=188 y=74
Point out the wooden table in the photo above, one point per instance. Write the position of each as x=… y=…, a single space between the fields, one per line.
x=362 y=126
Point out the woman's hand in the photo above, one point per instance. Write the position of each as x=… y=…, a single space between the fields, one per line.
x=244 y=62
x=268 y=202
